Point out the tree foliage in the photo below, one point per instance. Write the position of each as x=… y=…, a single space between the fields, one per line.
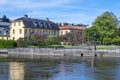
x=7 y=43
x=37 y=39
x=72 y=38
x=105 y=26
x=20 y=42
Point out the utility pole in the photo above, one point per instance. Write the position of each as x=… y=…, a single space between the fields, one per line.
x=95 y=40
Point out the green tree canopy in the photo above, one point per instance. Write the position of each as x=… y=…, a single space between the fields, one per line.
x=105 y=26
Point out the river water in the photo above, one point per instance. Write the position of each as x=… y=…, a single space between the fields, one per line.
x=62 y=69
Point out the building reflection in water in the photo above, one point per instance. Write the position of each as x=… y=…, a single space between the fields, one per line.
x=16 y=71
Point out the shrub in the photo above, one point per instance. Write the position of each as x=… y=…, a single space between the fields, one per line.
x=116 y=41
x=49 y=41
x=107 y=41
x=20 y=42
x=7 y=43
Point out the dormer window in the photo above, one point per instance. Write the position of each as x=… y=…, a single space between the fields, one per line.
x=41 y=25
x=52 y=26
x=36 y=24
x=49 y=25
x=44 y=25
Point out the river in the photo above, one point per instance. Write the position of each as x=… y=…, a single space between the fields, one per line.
x=62 y=69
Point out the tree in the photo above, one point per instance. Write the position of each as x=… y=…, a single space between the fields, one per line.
x=73 y=38
x=38 y=39
x=105 y=26
x=20 y=42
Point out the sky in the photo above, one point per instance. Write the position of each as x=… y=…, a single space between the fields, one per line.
x=71 y=11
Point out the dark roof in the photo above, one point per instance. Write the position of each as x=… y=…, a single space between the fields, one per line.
x=4 y=19
x=37 y=23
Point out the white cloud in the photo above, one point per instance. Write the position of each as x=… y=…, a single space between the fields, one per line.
x=64 y=17
x=44 y=8
x=30 y=4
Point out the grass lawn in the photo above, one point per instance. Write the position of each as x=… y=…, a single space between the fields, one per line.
x=107 y=46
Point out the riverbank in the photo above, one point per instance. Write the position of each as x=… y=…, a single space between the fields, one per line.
x=39 y=53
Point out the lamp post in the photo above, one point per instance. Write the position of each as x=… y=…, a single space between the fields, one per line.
x=94 y=40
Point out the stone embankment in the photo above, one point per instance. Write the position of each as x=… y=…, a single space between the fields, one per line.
x=37 y=53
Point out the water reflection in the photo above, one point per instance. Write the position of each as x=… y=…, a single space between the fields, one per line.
x=67 y=69
x=16 y=71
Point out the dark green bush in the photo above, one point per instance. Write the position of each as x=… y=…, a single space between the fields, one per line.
x=7 y=44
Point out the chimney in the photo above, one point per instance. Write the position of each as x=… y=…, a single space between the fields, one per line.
x=26 y=16
x=47 y=19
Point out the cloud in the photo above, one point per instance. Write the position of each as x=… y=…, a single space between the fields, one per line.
x=31 y=4
x=63 y=17
x=56 y=10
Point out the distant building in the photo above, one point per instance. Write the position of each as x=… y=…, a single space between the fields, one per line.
x=4 y=27
x=23 y=27
x=71 y=29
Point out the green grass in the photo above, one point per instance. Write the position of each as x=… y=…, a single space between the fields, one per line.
x=10 y=60
x=107 y=46
x=47 y=46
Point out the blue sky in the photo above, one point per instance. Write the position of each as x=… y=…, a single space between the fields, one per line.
x=72 y=11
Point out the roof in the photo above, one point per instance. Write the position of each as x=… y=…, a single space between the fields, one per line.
x=37 y=23
x=4 y=19
x=71 y=27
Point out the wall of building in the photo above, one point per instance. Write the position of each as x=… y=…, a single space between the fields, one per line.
x=16 y=30
x=63 y=32
x=5 y=37
x=27 y=32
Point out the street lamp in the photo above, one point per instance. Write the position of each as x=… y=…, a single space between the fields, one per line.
x=94 y=40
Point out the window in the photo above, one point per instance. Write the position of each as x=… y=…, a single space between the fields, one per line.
x=54 y=32
x=49 y=32
x=14 y=23
x=47 y=26
x=42 y=25
x=13 y=31
x=36 y=24
x=66 y=32
x=20 y=31
x=26 y=31
x=30 y=31
x=19 y=23
x=46 y=31
x=43 y=32
x=13 y=38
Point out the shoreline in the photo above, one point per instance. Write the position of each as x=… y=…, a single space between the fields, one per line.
x=38 y=53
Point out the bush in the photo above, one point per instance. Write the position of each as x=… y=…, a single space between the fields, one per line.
x=20 y=42
x=116 y=41
x=107 y=41
x=7 y=44
x=49 y=41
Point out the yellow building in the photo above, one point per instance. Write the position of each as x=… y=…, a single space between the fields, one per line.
x=24 y=27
